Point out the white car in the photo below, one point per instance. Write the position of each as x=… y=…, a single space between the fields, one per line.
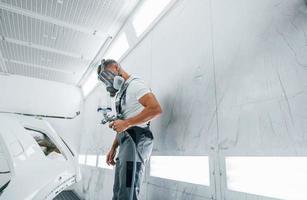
x=35 y=162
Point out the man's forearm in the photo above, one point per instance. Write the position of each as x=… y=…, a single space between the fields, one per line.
x=146 y=115
x=115 y=144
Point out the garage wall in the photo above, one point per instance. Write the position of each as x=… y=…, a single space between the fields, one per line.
x=29 y=95
x=96 y=140
x=260 y=49
x=260 y=61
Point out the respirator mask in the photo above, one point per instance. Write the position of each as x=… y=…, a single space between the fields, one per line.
x=112 y=81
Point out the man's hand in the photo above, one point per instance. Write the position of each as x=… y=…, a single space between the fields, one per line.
x=110 y=157
x=119 y=125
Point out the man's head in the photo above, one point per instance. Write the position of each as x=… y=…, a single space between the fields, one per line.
x=109 y=65
x=110 y=73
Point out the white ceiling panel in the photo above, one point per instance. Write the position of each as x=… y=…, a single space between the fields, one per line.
x=97 y=14
x=21 y=29
x=57 y=39
x=39 y=57
x=41 y=73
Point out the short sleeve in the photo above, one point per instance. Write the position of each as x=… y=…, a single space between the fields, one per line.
x=140 y=88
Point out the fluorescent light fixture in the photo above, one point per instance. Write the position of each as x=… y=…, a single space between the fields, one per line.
x=147 y=13
x=81 y=159
x=90 y=83
x=102 y=162
x=277 y=177
x=91 y=160
x=118 y=47
x=190 y=169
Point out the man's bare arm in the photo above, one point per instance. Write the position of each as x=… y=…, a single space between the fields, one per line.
x=115 y=144
x=111 y=154
x=151 y=110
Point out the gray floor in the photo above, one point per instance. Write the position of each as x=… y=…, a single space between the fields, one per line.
x=67 y=195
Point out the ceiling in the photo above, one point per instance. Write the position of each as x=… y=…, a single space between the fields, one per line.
x=57 y=39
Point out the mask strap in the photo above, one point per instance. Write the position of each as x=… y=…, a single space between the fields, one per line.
x=120 y=67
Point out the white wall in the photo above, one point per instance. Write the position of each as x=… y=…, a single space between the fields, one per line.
x=96 y=139
x=260 y=61
x=231 y=78
x=35 y=96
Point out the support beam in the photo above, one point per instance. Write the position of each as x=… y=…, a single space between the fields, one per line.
x=44 y=48
x=51 y=20
x=38 y=66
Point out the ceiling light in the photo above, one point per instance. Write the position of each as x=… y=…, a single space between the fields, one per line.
x=118 y=47
x=282 y=177
x=147 y=13
x=175 y=168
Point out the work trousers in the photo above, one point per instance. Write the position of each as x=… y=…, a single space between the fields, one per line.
x=142 y=139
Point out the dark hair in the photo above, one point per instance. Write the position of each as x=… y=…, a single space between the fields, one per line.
x=104 y=64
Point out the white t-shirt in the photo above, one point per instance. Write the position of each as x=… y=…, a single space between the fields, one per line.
x=131 y=106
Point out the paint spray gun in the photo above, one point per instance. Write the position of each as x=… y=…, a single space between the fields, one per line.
x=105 y=107
x=107 y=118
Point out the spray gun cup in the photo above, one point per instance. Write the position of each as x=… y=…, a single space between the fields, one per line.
x=104 y=110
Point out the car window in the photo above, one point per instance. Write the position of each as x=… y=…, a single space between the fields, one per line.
x=46 y=144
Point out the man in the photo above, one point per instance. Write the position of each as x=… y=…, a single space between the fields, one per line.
x=136 y=105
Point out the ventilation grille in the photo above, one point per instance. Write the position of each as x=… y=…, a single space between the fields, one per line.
x=56 y=39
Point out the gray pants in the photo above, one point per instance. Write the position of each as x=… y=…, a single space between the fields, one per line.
x=124 y=165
